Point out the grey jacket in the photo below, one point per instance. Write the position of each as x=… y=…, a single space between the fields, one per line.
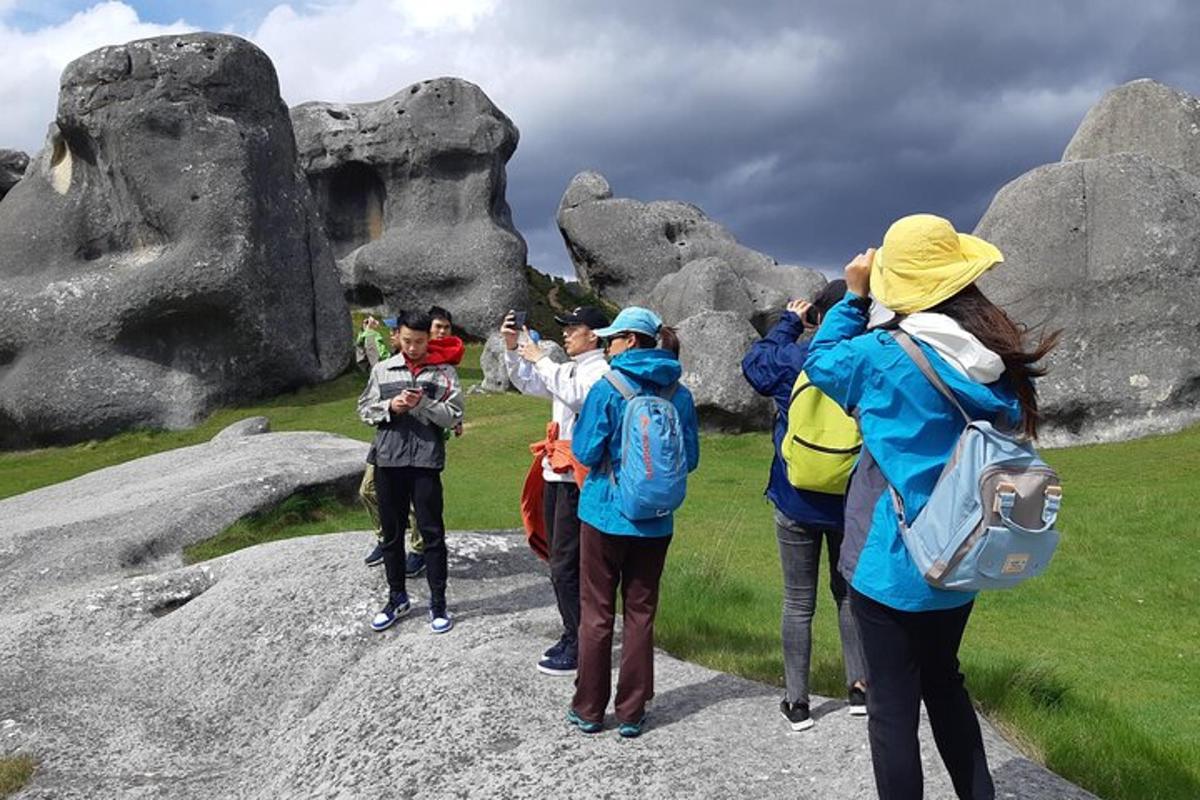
x=414 y=438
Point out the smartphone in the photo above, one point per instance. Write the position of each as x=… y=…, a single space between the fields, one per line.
x=519 y=319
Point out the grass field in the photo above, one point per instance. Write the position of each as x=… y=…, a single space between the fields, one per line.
x=1091 y=669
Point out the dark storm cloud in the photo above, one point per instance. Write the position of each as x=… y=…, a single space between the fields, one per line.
x=807 y=130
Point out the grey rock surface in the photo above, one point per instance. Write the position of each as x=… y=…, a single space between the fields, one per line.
x=12 y=168
x=1142 y=116
x=712 y=344
x=162 y=256
x=251 y=426
x=127 y=519
x=1108 y=249
x=412 y=193
x=195 y=683
x=706 y=283
x=491 y=361
x=625 y=249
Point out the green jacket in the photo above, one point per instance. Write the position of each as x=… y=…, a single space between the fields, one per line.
x=368 y=338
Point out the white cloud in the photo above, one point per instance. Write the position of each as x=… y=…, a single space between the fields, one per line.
x=34 y=61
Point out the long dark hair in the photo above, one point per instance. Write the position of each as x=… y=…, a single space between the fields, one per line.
x=1008 y=339
x=668 y=339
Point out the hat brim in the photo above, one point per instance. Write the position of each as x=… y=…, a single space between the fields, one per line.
x=907 y=292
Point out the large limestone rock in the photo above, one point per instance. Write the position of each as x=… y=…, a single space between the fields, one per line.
x=1108 y=249
x=712 y=344
x=163 y=255
x=256 y=676
x=411 y=189
x=1145 y=117
x=623 y=249
x=706 y=283
x=12 y=169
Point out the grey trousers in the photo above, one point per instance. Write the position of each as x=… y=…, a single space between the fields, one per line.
x=800 y=557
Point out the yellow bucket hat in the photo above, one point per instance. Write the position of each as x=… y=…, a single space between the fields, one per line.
x=924 y=261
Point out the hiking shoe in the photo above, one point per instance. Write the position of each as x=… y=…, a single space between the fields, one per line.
x=414 y=565
x=556 y=648
x=583 y=724
x=858 y=701
x=632 y=730
x=797 y=714
x=396 y=608
x=562 y=665
x=440 y=620
x=375 y=558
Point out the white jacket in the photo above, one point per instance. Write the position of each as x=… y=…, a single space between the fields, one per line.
x=566 y=384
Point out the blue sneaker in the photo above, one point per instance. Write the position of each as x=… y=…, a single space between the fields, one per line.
x=440 y=620
x=414 y=565
x=562 y=665
x=583 y=724
x=556 y=648
x=375 y=558
x=632 y=730
x=396 y=608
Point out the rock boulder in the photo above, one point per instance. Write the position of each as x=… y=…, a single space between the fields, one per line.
x=712 y=344
x=12 y=169
x=411 y=190
x=163 y=255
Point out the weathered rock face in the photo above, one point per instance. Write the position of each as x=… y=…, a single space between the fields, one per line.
x=625 y=250
x=491 y=361
x=163 y=255
x=712 y=344
x=12 y=169
x=411 y=189
x=1107 y=249
x=1145 y=117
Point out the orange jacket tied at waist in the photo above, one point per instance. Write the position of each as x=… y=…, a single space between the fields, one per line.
x=557 y=452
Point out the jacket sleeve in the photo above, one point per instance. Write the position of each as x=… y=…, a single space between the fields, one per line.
x=776 y=359
x=836 y=364
x=593 y=427
x=691 y=432
x=372 y=408
x=523 y=376
x=563 y=381
x=448 y=412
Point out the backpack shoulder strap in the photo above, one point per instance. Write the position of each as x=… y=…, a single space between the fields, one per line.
x=914 y=352
x=620 y=384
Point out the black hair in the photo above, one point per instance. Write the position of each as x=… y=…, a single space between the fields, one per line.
x=830 y=295
x=667 y=339
x=437 y=312
x=416 y=321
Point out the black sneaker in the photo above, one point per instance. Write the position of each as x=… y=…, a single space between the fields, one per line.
x=858 y=701
x=375 y=558
x=562 y=665
x=556 y=648
x=797 y=714
x=414 y=565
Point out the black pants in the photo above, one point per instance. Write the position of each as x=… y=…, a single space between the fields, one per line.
x=560 y=504
x=913 y=656
x=398 y=488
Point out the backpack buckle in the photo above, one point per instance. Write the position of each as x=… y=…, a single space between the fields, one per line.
x=1006 y=498
x=1053 y=494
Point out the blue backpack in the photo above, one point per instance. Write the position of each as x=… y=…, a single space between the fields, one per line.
x=652 y=479
x=990 y=521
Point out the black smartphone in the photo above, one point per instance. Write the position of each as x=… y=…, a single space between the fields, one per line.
x=519 y=319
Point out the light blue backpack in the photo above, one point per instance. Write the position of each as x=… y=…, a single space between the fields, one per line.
x=652 y=479
x=990 y=522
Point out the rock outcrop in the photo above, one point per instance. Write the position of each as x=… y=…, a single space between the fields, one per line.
x=12 y=169
x=1107 y=247
x=623 y=249
x=412 y=193
x=491 y=361
x=712 y=344
x=163 y=255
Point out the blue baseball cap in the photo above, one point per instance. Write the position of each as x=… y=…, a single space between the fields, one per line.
x=632 y=320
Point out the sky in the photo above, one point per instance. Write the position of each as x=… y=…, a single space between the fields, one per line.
x=806 y=128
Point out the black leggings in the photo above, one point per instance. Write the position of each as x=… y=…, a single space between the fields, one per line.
x=398 y=488
x=913 y=656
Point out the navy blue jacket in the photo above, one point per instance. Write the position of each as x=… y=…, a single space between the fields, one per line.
x=771 y=367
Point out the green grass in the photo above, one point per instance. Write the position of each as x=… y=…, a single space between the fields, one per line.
x=15 y=772
x=1091 y=668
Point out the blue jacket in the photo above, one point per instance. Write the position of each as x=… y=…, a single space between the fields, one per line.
x=597 y=436
x=771 y=366
x=909 y=430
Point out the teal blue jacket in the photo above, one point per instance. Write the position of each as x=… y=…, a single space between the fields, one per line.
x=596 y=441
x=910 y=430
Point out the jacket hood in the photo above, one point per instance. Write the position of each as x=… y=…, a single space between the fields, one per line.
x=957 y=346
x=656 y=367
x=447 y=350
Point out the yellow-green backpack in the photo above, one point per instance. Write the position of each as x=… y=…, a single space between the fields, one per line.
x=822 y=441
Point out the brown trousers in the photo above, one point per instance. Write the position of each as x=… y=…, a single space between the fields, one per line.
x=636 y=563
